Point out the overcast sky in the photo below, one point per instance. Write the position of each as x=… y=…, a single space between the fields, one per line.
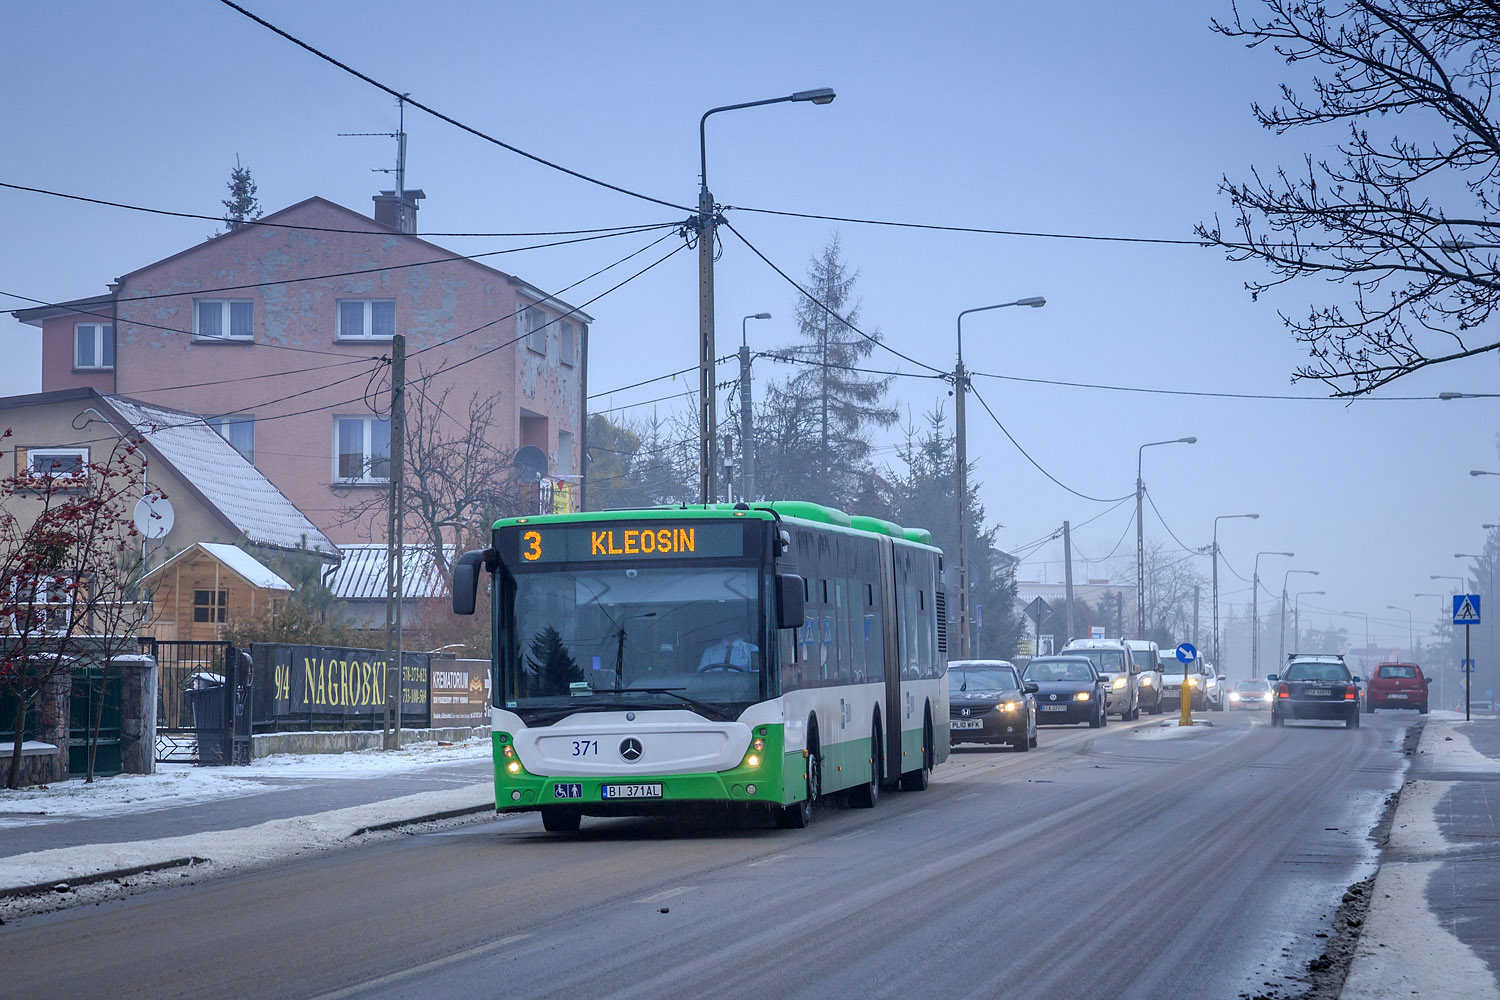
x=1089 y=119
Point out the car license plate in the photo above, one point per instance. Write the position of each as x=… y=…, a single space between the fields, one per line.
x=1401 y=696
x=1053 y=708
x=967 y=724
x=1318 y=692
x=631 y=791
x=573 y=791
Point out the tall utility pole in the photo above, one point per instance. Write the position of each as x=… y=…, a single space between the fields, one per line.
x=706 y=223
x=1218 y=663
x=1281 y=651
x=747 y=415
x=1068 y=579
x=1140 y=535
x=1255 y=612
x=395 y=545
x=961 y=466
x=1197 y=596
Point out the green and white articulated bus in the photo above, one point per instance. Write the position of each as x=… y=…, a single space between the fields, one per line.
x=647 y=661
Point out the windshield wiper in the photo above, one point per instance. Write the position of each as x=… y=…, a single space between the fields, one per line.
x=677 y=693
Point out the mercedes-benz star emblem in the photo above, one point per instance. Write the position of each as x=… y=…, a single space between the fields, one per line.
x=1052 y=697
x=630 y=748
x=964 y=713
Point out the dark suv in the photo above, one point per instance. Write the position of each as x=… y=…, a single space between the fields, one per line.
x=1316 y=687
x=1397 y=685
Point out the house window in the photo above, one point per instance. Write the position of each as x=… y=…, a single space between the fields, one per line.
x=362 y=450
x=565 y=343
x=58 y=463
x=224 y=319
x=40 y=605
x=208 y=605
x=533 y=326
x=367 y=319
x=238 y=431
x=94 y=346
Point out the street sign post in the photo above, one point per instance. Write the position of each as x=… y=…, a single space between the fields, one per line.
x=1186 y=653
x=1466 y=613
x=1096 y=631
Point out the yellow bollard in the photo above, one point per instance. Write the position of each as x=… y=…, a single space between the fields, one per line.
x=1187 y=701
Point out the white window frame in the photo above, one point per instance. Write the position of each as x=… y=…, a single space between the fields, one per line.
x=46 y=587
x=81 y=475
x=226 y=318
x=100 y=334
x=368 y=324
x=367 y=422
x=221 y=427
x=532 y=321
x=567 y=349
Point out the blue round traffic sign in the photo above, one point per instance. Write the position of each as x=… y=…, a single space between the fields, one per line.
x=1187 y=652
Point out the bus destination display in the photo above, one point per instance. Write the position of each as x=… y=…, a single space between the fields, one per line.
x=602 y=543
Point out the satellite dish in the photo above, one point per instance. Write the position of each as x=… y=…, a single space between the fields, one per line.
x=530 y=463
x=154 y=516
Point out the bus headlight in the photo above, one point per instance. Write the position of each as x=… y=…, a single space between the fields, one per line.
x=514 y=767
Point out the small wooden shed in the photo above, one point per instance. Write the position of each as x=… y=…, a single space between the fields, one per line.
x=206 y=584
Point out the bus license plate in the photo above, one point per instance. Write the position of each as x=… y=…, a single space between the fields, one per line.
x=572 y=791
x=968 y=724
x=632 y=791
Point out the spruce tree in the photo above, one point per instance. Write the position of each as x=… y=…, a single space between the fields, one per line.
x=241 y=206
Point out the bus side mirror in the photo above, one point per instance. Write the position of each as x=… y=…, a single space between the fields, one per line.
x=790 y=610
x=466 y=581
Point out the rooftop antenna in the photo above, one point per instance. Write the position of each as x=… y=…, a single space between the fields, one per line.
x=400 y=169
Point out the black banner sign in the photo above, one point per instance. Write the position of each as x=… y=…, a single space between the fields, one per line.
x=307 y=681
x=459 y=693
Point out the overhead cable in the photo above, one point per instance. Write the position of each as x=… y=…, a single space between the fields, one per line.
x=1034 y=462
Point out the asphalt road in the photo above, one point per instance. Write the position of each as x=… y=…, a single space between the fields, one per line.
x=1109 y=863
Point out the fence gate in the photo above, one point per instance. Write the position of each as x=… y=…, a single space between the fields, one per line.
x=203 y=702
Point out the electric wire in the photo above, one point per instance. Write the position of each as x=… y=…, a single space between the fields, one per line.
x=821 y=305
x=1194 y=392
x=446 y=118
x=1034 y=462
x=263 y=223
x=1181 y=544
x=793 y=360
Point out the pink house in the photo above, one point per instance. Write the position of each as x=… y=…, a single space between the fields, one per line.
x=276 y=332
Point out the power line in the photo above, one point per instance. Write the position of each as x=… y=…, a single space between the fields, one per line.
x=793 y=360
x=1193 y=392
x=1024 y=453
x=312 y=229
x=658 y=378
x=446 y=118
x=819 y=303
x=1183 y=545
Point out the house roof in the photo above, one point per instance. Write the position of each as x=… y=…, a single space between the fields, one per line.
x=361 y=576
x=222 y=477
x=93 y=305
x=242 y=563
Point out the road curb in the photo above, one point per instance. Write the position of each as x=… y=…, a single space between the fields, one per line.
x=396 y=824
x=17 y=891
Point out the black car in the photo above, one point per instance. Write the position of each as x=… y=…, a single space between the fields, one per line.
x=1069 y=690
x=989 y=703
x=1316 y=687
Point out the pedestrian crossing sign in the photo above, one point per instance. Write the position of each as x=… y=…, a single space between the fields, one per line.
x=1466 y=609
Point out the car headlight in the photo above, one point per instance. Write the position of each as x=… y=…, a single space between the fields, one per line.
x=1146 y=681
x=1234 y=696
x=1192 y=682
x=1009 y=706
x=1119 y=683
x=1082 y=696
x=1213 y=682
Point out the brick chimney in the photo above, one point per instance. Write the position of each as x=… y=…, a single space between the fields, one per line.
x=388 y=209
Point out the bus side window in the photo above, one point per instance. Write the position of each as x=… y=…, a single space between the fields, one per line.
x=841 y=615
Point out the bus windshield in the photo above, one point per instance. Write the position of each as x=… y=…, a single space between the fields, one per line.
x=657 y=636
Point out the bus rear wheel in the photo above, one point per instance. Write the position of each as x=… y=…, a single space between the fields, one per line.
x=916 y=781
x=561 y=820
x=865 y=796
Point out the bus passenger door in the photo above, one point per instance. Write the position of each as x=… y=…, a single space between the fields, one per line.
x=892 y=715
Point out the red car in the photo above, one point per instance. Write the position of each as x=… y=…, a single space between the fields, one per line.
x=1397 y=685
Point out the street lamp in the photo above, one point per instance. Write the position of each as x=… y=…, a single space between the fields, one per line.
x=1281 y=652
x=1366 y=617
x=1411 y=635
x=747 y=414
x=1255 y=612
x=1297 y=617
x=1140 y=535
x=1218 y=663
x=960 y=388
x=705 y=223
x=1462 y=581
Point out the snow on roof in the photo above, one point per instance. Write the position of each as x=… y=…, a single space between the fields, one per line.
x=236 y=560
x=232 y=485
x=361 y=576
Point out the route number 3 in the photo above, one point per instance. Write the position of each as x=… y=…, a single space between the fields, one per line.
x=585 y=748
x=533 y=548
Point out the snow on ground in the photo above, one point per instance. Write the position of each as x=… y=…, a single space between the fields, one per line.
x=1170 y=730
x=183 y=784
x=1447 y=748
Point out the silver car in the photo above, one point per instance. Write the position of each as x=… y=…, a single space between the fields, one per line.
x=1112 y=660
